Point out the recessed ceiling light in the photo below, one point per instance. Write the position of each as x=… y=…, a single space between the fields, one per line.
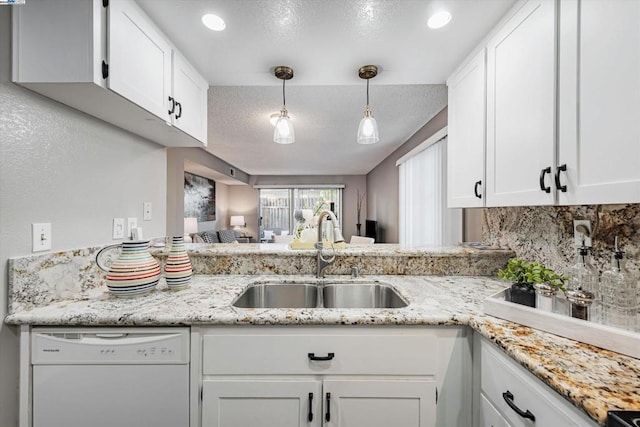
x=439 y=19
x=213 y=22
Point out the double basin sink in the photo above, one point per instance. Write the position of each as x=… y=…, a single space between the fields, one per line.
x=320 y=295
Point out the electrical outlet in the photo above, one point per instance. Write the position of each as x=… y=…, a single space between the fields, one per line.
x=41 y=234
x=579 y=235
x=146 y=211
x=131 y=224
x=118 y=228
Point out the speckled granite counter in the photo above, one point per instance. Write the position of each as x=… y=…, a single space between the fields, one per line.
x=594 y=380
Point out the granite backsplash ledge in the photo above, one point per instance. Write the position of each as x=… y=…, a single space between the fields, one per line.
x=545 y=233
x=42 y=279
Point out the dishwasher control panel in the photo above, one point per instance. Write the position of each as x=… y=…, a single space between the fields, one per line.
x=112 y=346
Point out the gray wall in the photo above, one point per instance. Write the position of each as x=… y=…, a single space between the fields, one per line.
x=61 y=166
x=243 y=200
x=383 y=182
x=352 y=184
x=176 y=158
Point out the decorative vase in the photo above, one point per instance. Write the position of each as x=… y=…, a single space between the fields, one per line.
x=358 y=227
x=178 y=269
x=523 y=293
x=135 y=272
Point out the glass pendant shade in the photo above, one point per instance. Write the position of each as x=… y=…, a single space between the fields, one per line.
x=283 y=132
x=368 y=129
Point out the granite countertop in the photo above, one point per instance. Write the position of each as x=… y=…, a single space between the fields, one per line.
x=593 y=379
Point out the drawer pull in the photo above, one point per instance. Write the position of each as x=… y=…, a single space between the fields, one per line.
x=310 y=416
x=312 y=356
x=508 y=397
x=328 y=415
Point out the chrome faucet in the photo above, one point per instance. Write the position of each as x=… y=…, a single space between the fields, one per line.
x=337 y=238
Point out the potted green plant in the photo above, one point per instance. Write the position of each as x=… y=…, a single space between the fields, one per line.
x=529 y=277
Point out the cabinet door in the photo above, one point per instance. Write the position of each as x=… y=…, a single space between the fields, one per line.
x=190 y=94
x=599 y=101
x=379 y=403
x=465 y=145
x=521 y=77
x=139 y=58
x=253 y=403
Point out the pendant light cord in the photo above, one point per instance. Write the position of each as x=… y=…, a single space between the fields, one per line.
x=284 y=100
x=367 y=92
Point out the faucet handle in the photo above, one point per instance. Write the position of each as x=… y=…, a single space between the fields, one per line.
x=354 y=272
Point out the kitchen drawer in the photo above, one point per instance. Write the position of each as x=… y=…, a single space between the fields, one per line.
x=383 y=353
x=489 y=415
x=501 y=375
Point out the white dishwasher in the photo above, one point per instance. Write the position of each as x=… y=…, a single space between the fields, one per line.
x=107 y=377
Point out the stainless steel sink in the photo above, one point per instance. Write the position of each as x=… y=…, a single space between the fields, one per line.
x=334 y=295
x=361 y=295
x=278 y=295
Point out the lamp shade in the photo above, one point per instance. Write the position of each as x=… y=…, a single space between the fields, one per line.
x=237 y=221
x=283 y=132
x=368 y=130
x=190 y=227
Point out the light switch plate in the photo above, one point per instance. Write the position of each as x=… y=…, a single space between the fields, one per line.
x=118 y=228
x=146 y=211
x=41 y=233
x=578 y=236
x=131 y=224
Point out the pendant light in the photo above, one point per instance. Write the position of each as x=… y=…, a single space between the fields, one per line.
x=368 y=129
x=283 y=132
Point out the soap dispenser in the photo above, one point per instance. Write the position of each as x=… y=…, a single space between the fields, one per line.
x=619 y=299
x=583 y=278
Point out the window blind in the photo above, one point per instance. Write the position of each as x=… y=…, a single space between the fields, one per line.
x=424 y=217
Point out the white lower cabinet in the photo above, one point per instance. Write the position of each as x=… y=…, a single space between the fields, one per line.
x=512 y=396
x=489 y=415
x=250 y=403
x=339 y=403
x=379 y=403
x=335 y=376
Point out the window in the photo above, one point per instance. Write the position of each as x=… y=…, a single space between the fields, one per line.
x=424 y=217
x=278 y=205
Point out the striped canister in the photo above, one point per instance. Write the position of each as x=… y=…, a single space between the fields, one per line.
x=177 y=269
x=134 y=272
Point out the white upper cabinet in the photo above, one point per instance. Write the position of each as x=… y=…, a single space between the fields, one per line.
x=466 y=144
x=188 y=105
x=599 y=101
x=139 y=58
x=521 y=77
x=562 y=107
x=112 y=63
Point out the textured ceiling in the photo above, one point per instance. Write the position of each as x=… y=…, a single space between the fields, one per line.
x=325 y=41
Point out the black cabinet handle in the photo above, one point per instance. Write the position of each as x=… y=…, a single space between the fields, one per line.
x=179 y=113
x=508 y=397
x=475 y=189
x=328 y=414
x=559 y=186
x=543 y=172
x=312 y=356
x=310 y=416
x=173 y=105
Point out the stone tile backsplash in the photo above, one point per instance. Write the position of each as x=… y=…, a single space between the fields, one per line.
x=545 y=233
